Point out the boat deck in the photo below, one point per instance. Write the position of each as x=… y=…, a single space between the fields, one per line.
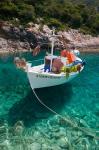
x=40 y=70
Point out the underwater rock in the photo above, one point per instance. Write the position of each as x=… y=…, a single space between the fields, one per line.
x=35 y=146
x=62 y=143
x=85 y=143
x=54 y=128
x=62 y=131
x=17 y=147
x=18 y=128
x=62 y=122
x=55 y=147
x=46 y=147
x=36 y=135
x=7 y=145
x=41 y=140
x=56 y=135
x=79 y=133
x=52 y=124
x=83 y=123
x=74 y=136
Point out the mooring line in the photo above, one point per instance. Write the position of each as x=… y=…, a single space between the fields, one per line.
x=54 y=112
x=74 y=125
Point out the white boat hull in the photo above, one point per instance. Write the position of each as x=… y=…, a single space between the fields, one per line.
x=41 y=80
x=38 y=81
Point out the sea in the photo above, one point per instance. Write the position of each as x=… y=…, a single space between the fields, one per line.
x=25 y=124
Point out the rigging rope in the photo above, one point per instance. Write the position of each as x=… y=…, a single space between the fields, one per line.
x=73 y=124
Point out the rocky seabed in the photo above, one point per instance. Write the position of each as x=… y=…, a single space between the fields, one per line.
x=55 y=133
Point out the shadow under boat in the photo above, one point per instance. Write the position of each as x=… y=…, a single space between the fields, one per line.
x=29 y=110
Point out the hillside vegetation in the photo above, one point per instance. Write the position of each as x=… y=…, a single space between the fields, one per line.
x=83 y=15
x=87 y=2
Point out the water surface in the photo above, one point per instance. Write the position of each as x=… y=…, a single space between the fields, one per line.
x=79 y=100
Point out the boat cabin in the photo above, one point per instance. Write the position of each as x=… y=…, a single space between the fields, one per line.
x=56 y=64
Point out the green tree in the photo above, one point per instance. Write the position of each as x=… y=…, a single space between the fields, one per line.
x=8 y=10
x=26 y=12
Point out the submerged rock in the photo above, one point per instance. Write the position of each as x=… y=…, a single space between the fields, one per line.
x=62 y=143
x=35 y=146
x=45 y=146
x=56 y=147
x=83 y=123
x=18 y=128
x=36 y=135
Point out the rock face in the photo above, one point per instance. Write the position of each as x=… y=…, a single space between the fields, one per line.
x=13 y=45
x=23 y=39
x=80 y=40
x=17 y=39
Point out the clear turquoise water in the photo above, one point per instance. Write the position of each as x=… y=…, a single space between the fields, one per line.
x=78 y=99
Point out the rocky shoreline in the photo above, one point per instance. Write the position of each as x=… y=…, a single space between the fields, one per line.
x=18 y=39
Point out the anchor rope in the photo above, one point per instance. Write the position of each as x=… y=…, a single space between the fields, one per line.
x=50 y=109
x=73 y=124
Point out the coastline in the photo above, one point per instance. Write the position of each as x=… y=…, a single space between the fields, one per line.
x=89 y=50
x=6 y=52
x=82 y=50
x=19 y=40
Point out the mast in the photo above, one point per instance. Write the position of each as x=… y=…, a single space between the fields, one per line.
x=52 y=48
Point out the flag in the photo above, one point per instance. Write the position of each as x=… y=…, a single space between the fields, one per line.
x=36 y=50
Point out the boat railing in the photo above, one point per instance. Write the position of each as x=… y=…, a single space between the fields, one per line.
x=36 y=62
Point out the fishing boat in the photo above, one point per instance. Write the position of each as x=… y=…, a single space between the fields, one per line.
x=55 y=70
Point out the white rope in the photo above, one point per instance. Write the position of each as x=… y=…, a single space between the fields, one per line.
x=54 y=112
x=73 y=124
x=44 y=104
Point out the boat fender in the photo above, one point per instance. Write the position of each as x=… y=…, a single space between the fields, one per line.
x=79 y=67
x=65 y=70
x=73 y=68
x=69 y=70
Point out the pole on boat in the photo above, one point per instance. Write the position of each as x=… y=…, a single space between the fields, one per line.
x=52 y=48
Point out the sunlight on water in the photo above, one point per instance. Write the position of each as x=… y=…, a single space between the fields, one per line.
x=26 y=125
